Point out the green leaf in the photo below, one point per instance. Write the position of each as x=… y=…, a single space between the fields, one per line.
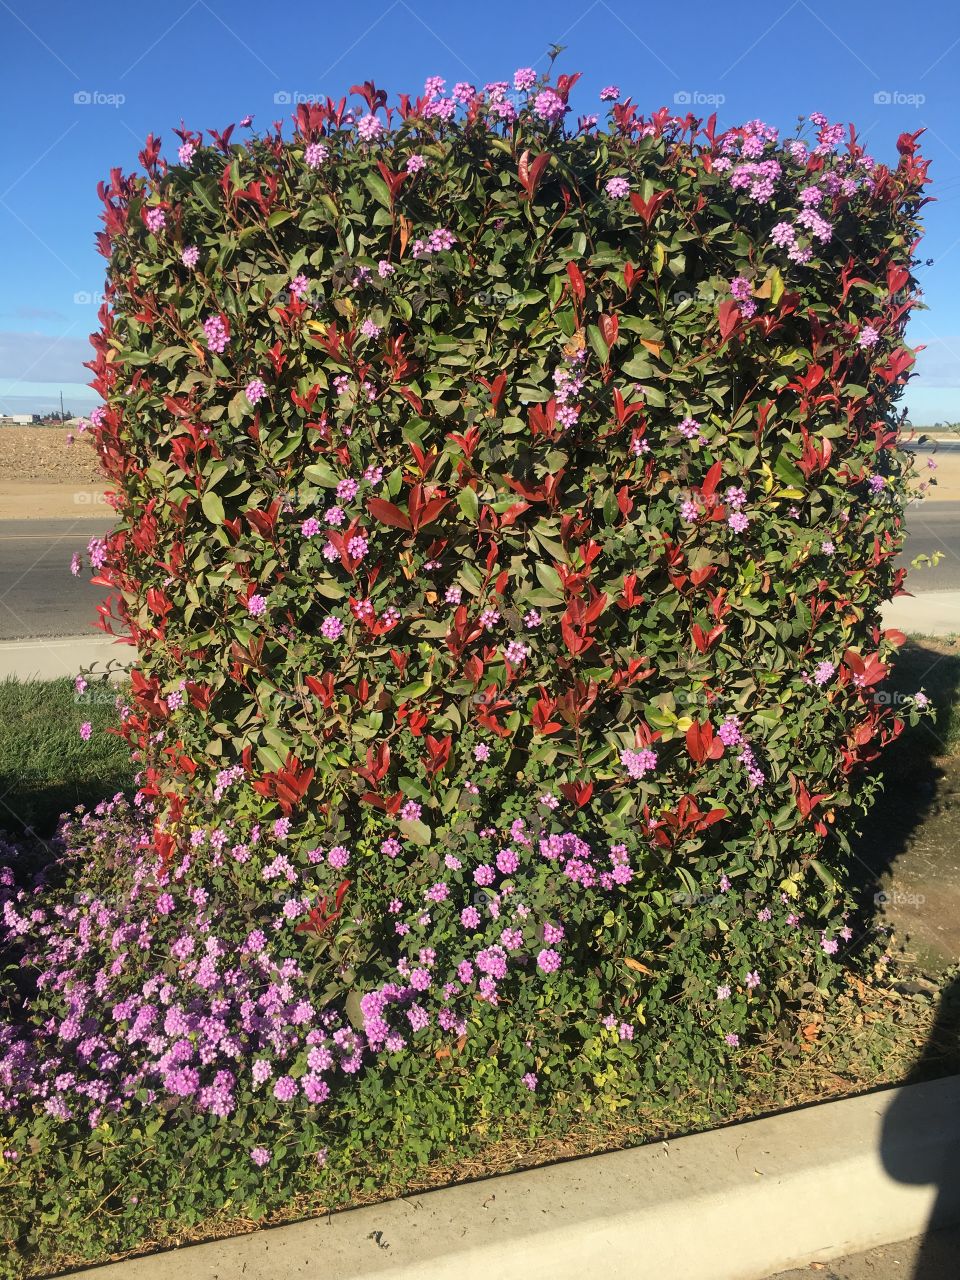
x=212 y=506
x=416 y=831
x=377 y=188
x=468 y=504
x=595 y=338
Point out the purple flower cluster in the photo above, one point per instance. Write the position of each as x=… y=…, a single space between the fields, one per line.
x=438 y=241
x=216 y=334
x=203 y=1021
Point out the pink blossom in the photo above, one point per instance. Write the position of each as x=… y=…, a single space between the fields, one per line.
x=369 y=127
x=256 y=390
x=869 y=336
x=216 y=334
x=314 y=155
x=549 y=106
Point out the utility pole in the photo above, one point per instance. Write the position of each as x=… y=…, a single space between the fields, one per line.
x=61 y=407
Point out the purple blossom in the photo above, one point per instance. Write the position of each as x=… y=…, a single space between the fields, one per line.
x=869 y=336
x=549 y=106
x=548 y=961
x=314 y=155
x=216 y=334
x=285 y=1090
x=369 y=127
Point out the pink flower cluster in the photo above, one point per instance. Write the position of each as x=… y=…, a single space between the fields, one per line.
x=216 y=332
x=438 y=241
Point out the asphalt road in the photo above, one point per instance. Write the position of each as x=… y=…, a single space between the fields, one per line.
x=39 y=597
x=38 y=594
x=932 y=527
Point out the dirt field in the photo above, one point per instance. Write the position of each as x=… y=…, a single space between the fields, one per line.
x=41 y=476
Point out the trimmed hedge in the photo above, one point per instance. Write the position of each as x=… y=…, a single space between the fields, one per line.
x=469 y=466
x=505 y=508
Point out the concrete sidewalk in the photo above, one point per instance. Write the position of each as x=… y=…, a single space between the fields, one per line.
x=736 y=1204
x=49 y=659
x=933 y=613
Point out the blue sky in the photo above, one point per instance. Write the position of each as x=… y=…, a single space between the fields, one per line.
x=82 y=85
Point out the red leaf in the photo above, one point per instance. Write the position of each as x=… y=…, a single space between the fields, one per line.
x=729 y=318
x=409 y=396
x=387 y=513
x=530 y=171
x=577 y=793
x=610 y=328
x=700 y=742
x=577 y=281
x=712 y=480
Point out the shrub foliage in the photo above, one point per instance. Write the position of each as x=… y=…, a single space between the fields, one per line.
x=504 y=512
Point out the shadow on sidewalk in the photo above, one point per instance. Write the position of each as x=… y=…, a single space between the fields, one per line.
x=924 y=1165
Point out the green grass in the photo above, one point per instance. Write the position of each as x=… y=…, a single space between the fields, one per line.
x=45 y=766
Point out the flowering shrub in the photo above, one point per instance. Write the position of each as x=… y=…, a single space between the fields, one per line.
x=504 y=511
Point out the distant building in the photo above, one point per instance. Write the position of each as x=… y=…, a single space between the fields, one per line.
x=21 y=419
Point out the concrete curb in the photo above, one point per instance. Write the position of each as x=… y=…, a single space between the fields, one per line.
x=735 y=1204
x=931 y=613
x=49 y=658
